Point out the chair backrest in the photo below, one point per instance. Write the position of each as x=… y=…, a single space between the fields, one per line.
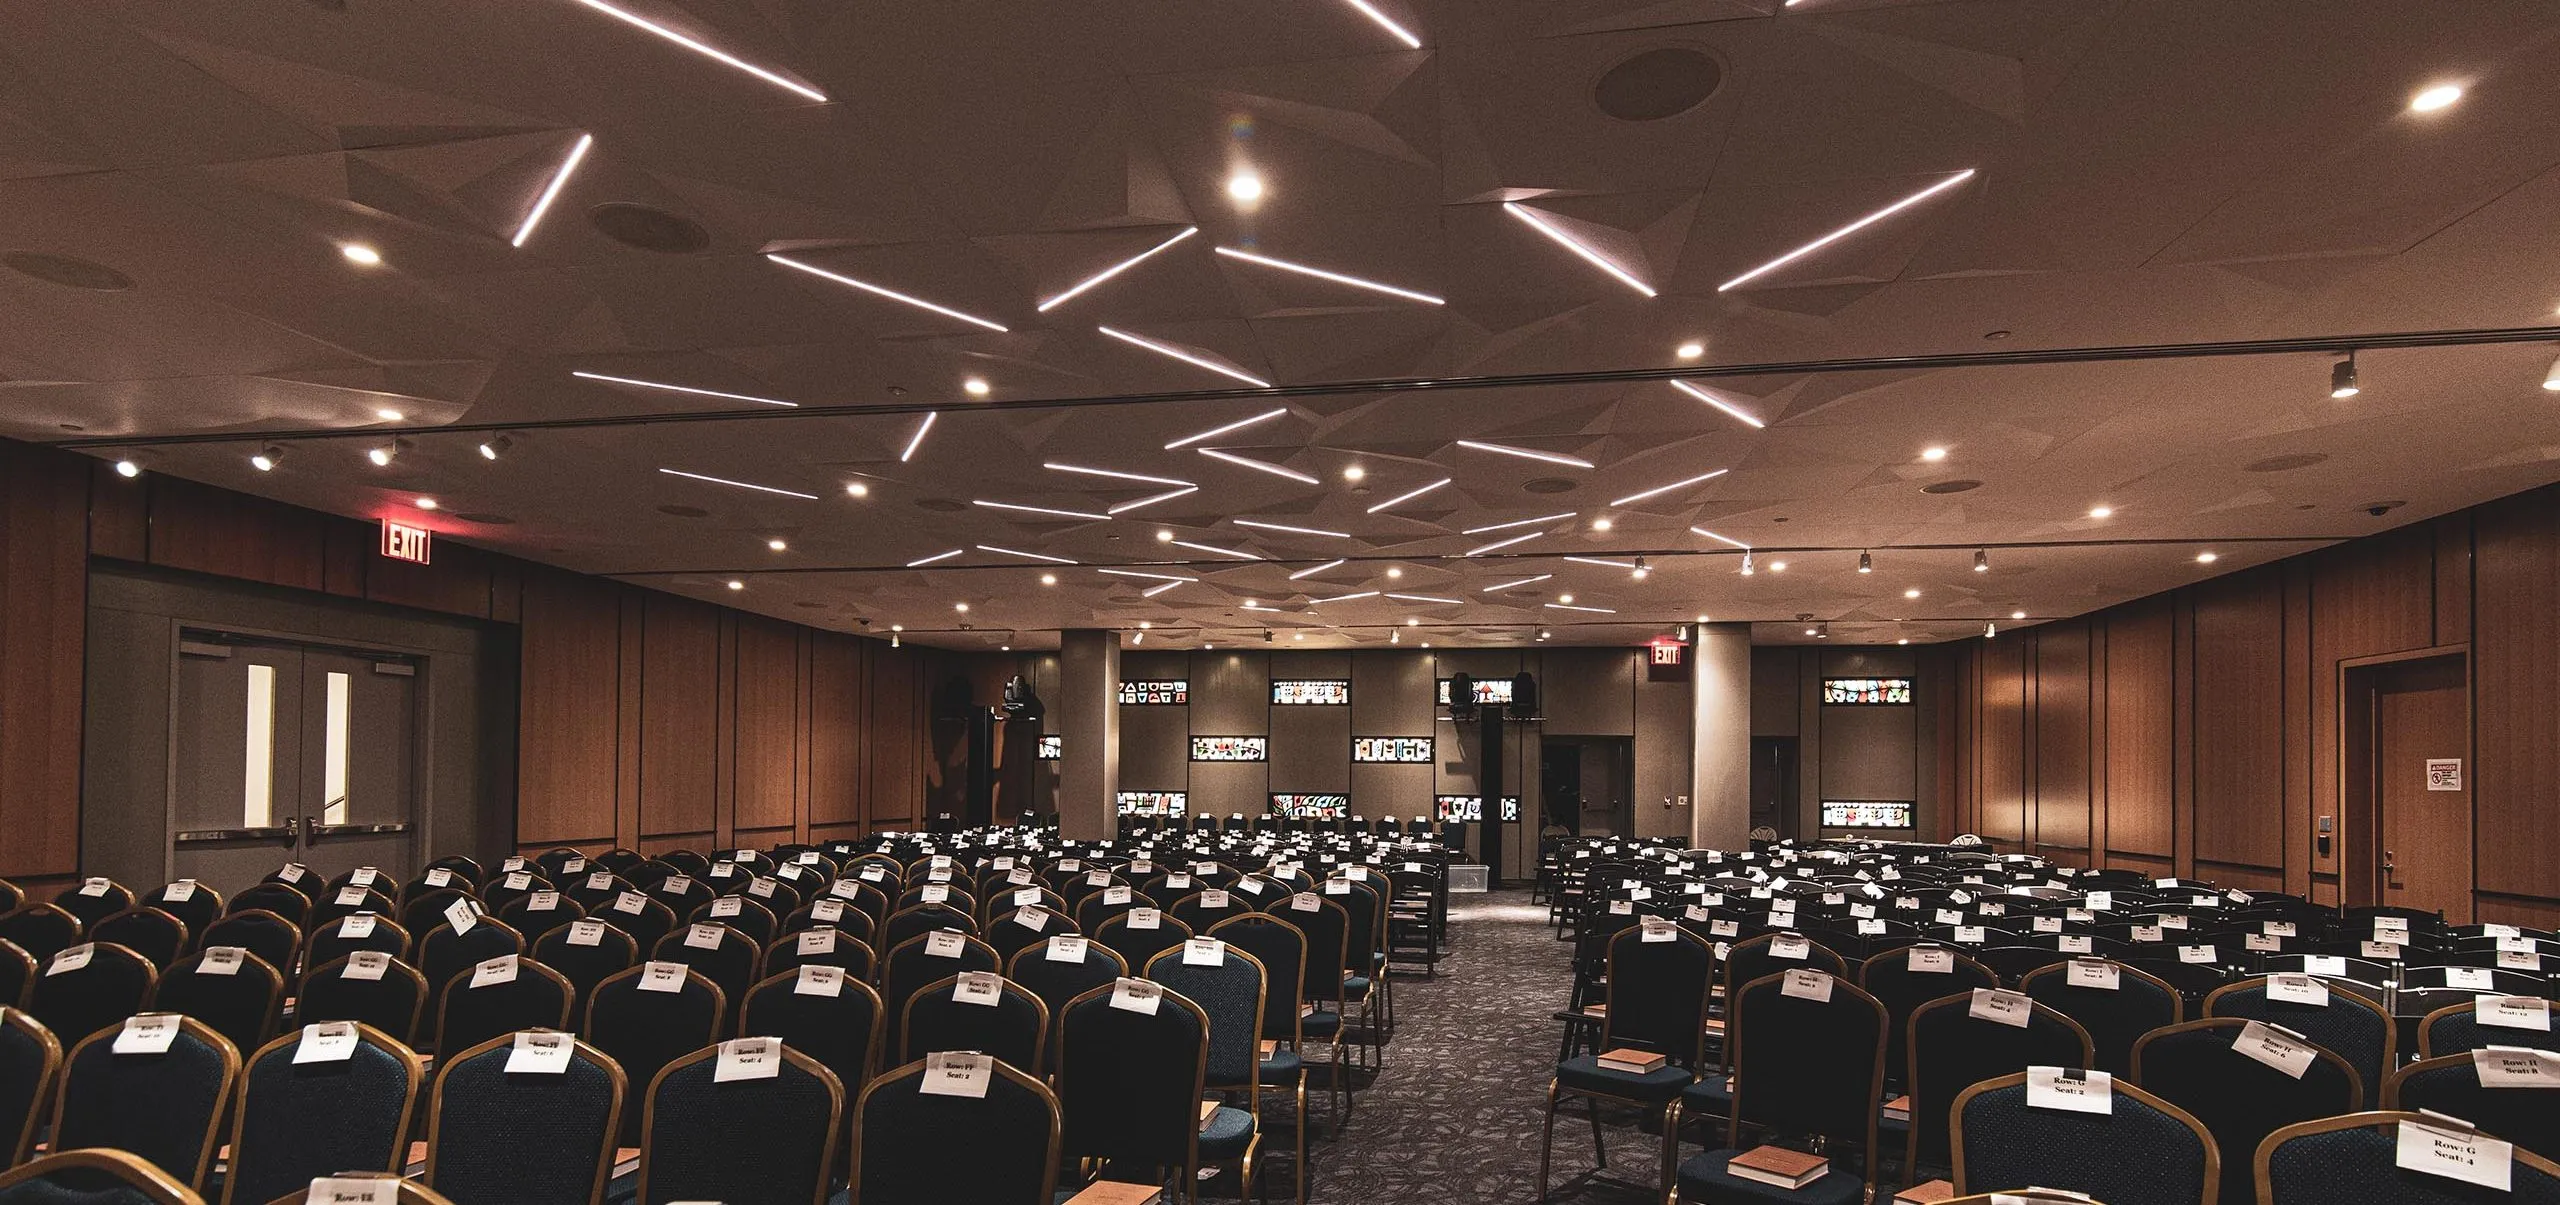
x=975 y=1010
x=915 y=1147
x=196 y=904
x=1057 y=979
x=1129 y=1082
x=446 y=953
x=2197 y=1066
x=2353 y=1160
x=2116 y=1017
x=2456 y=1029
x=1136 y=945
x=2355 y=1027
x=17 y=974
x=723 y=955
x=331 y=1189
x=1327 y=926
x=1015 y=929
x=1905 y=979
x=30 y=1058
x=42 y=930
x=236 y=992
x=921 y=919
x=743 y=913
x=298 y=1120
x=538 y=914
x=1232 y=992
x=93 y=1177
x=833 y=1018
x=2142 y=1151
x=540 y=1136
x=94 y=899
x=821 y=946
x=1951 y=1050
x=269 y=935
x=2451 y=1084
x=500 y=996
x=163 y=1106
x=758 y=1141
x=91 y=987
x=145 y=930
x=283 y=899
x=1807 y=1057
x=643 y=1026
x=1282 y=950
x=586 y=954
x=926 y=957
x=1771 y=953
x=369 y=986
x=334 y=939
x=1658 y=979
x=645 y=919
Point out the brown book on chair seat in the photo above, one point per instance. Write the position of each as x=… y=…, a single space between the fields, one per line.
x=1898 y=1109
x=1776 y=1165
x=1927 y=1192
x=1269 y=1047
x=1633 y=1061
x=1113 y=1192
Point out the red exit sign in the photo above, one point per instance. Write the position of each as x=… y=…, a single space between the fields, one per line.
x=402 y=542
x=1667 y=653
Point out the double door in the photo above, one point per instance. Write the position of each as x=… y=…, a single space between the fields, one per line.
x=290 y=752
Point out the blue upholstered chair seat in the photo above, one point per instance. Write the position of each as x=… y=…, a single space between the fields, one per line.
x=1322 y=1023
x=1704 y=1179
x=1282 y=1066
x=1229 y=1131
x=1585 y=1074
x=1710 y=1096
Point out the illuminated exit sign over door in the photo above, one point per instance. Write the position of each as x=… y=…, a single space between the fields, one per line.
x=401 y=542
x=1667 y=661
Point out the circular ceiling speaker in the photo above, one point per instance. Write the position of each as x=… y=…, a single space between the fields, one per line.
x=66 y=271
x=649 y=229
x=1549 y=485
x=1663 y=82
x=2284 y=463
x=684 y=512
x=1957 y=486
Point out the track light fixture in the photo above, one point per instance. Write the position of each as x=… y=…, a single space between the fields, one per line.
x=267 y=458
x=1747 y=568
x=2342 y=378
x=127 y=466
x=1981 y=560
x=1989 y=629
x=2551 y=379
x=491 y=449
x=383 y=454
x=1641 y=570
x=1866 y=563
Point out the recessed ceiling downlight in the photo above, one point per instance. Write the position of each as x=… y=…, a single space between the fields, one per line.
x=648 y=228
x=66 y=271
x=1653 y=84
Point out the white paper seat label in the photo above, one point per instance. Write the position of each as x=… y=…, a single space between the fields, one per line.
x=2456 y=1155
x=748 y=1058
x=540 y=1052
x=2070 y=1090
x=963 y=1073
x=2001 y=1005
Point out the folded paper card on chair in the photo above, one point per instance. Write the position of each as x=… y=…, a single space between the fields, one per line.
x=1778 y=1166
x=346 y=1190
x=2070 y=1089
x=2459 y=1154
x=957 y=1073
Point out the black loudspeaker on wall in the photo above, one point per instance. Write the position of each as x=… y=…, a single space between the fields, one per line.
x=1524 y=696
x=1462 y=697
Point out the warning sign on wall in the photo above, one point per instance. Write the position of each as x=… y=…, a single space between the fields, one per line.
x=2444 y=773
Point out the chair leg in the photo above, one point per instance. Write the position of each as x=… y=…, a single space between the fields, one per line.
x=1547 y=1148
x=1671 y=1152
x=1599 y=1150
x=1302 y=1136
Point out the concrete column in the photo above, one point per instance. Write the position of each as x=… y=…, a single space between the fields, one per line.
x=1720 y=736
x=1088 y=709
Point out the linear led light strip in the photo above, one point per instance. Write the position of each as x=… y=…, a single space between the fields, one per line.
x=1851 y=228
x=551 y=192
x=1304 y=531
x=1031 y=556
x=1152 y=591
x=1501 y=586
x=1659 y=490
x=1575 y=607
x=1152 y=499
x=1161 y=577
x=939 y=556
x=1425 y=598
x=1311 y=571
x=1264 y=465
x=1056 y=466
x=1593 y=560
x=1528 y=453
x=1242 y=556
x=1569 y=243
x=1402 y=34
x=1114 y=270
x=1318 y=602
x=744 y=485
x=891 y=294
x=1720 y=538
x=1038 y=510
x=1477 y=531
x=1166 y=349
x=1214 y=432
x=1498 y=544
x=917 y=440
x=706 y=51
x=1336 y=277
x=641 y=384
x=1717 y=402
x=1408 y=497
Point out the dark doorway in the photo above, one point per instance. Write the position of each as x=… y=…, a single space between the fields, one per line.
x=1773 y=785
x=1587 y=784
x=2406 y=744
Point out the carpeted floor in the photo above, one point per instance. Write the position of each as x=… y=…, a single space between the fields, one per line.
x=1456 y=1115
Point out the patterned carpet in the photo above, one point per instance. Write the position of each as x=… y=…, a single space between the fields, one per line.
x=1456 y=1115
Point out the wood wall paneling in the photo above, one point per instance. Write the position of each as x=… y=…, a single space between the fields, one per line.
x=2004 y=747
x=837 y=683
x=679 y=717
x=2061 y=727
x=568 y=723
x=2139 y=701
x=768 y=744
x=43 y=620
x=2515 y=676
x=2239 y=721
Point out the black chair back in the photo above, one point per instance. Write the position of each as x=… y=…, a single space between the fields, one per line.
x=924 y=958
x=1808 y=1058
x=914 y=1147
x=30 y=1058
x=1952 y=1050
x=1136 y=942
x=1129 y=1082
x=2116 y=1017
x=165 y=1107
x=447 y=953
x=723 y=955
x=91 y=987
x=1903 y=980
x=336 y=938
x=650 y=1016
x=368 y=986
x=1770 y=953
x=89 y=1177
x=299 y=1121
x=236 y=992
x=746 y=1142
x=525 y=1137
x=94 y=899
x=283 y=899
x=1231 y=993
x=830 y=1016
x=586 y=953
x=1016 y=929
x=17 y=974
x=500 y=996
x=975 y=1010
x=145 y=930
x=2197 y=1066
x=2350 y=1024
x=2143 y=1151
x=820 y=946
x=1051 y=974
x=1658 y=979
x=269 y=935
x=193 y=903
x=538 y=914
x=2354 y=1160
x=2451 y=1085
x=41 y=930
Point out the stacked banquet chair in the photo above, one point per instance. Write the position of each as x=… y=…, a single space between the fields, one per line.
x=1992 y=965
x=914 y=1014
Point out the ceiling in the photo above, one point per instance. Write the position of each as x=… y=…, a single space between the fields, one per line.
x=178 y=182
